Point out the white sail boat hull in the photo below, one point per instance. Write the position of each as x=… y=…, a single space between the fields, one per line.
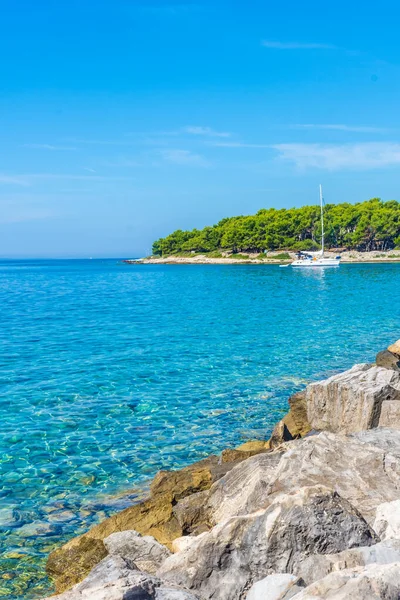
x=316 y=262
x=311 y=261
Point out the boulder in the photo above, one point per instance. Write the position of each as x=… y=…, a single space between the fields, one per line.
x=293 y=425
x=388 y=360
x=159 y=517
x=351 y=401
x=192 y=513
x=390 y=414
x=374 y=582
x=254 y=445
x=364 y=467
x=280 y=586
x=144 y=551
x=239 y=551
x=387 y=521
x=395 y=348
x=116 y=579
x=243 y=489
x=317 y=567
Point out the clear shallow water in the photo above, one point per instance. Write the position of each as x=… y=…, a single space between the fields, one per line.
x=109 y=372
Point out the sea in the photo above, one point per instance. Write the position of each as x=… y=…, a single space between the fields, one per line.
x=112 y=371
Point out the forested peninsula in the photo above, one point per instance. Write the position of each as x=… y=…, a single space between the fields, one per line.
x=365 y=227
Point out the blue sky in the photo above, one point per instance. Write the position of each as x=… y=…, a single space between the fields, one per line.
x=122 y=121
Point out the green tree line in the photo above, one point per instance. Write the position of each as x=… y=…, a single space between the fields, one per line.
x=366 y=226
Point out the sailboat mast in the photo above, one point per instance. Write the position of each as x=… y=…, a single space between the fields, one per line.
x=321 y=200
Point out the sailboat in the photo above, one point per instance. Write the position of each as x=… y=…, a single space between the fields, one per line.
x=317 y=259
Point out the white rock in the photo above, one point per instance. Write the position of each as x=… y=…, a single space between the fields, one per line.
x=316 y=567
x=390 y=414
x=364 y=467
x=374 y=582
x=274 y=587
x=387 y=520
x=351 y=401
x=243 y=489
x=144 y=551
x=222 y=563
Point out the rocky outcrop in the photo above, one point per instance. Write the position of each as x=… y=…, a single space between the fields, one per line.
x=317 y=567
x=351 y=401
x=280 y=586
x=375 y=582
x=395 y=348
x=388 y=360
x=144 y=551
x=165 y=516
x=387 y=521
x=115 y=578
x=239 y=551
x=293 y=425
x=364 y=468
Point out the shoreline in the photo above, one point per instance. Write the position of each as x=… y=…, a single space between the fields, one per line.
x=186 y=509
x=347 y=257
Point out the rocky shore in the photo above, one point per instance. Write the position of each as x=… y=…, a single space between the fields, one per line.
x=314 y=512
x=348 y=256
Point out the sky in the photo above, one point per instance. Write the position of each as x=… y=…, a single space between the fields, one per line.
x=122 y=121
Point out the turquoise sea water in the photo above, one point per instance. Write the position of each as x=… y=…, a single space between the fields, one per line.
x=109 y=372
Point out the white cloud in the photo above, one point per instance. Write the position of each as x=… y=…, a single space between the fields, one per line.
x=48 y=147
x=184 y=158
x=204 y=131
x=239 y=145
x=27 y=179
x=336 y=157
x=341 y=127
x=297 y=45
x=13 y=180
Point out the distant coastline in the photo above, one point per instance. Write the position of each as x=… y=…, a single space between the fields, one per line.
x=272 y=258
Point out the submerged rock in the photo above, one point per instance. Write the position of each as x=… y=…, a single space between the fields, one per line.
x=239 y=551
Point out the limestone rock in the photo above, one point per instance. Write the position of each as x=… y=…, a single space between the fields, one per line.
x=293 y=425
x=116 y=578
x=194 y=478
x=280 y=435
x=144 y=551
x=395 y=348
x=387 y=521
x=374 y=582
x=280 y=586
x=388 y=360
x=192 y=513
x=318 y=566
x=72 y=562
x=234 y=454
x=390 y=414
x=351 y=401
x=243 y=489
x=239 y=551
x=256 y=445
x=364 y=467
x=156 y=517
